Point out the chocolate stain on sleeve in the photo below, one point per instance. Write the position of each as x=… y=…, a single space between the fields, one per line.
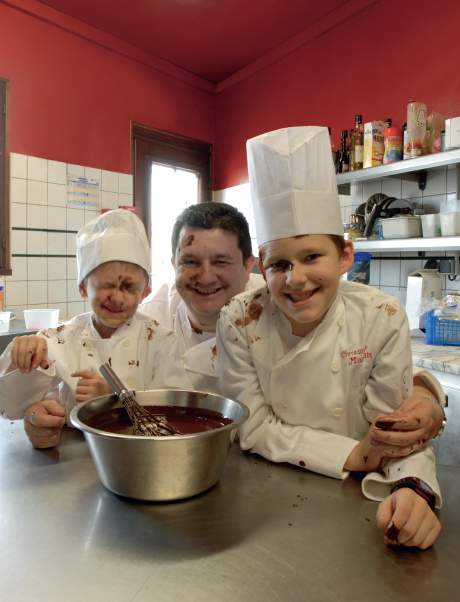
x=230 y=326
x=390 y=310
x=90 y=354
x=60 y=328
x=239 y=322
x=151 y=333
x=110 y=361
x=254 y=338
x=60 y=341
x=214 y=352
x=379 y=306
x=132 y=362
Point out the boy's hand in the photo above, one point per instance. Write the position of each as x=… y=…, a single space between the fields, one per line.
x=43 y=422
x=29 y=352
x=90 y=385
x=364 y=457
x=415 y=422
x=408 y=520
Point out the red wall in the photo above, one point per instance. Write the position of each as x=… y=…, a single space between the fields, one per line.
x=72 y=100
x=391 y=53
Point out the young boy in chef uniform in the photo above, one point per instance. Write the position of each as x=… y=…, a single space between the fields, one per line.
x=113 y=258
x=317 y=359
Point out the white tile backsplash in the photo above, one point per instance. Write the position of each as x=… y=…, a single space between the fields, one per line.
x=452 y=179
x=18 y=242
x=37 y=169
x=37 y=268
x=75 y=308
x=76 y=170
x=72 y=271
x=109 y=181
x=37 y=243
x=125 y=183
x=57 y=218
x=57 y=268
x=18 y=190
x=57 y=243
x=109 y=200
x=18 y=165
x=75 y=219
x=72 y=291
x=390 y=272
x=392 y=187
x=95 y=174
x=57 y=172
x=431 y=204
x=436 y=183
x=19 y=269
x=37 y=292
x=57 y=291
x=36 y=217
x=125 y=200
x=71 y=244
x=18 y=215
x=16 y=294
x=37 y=192
x=57 y=195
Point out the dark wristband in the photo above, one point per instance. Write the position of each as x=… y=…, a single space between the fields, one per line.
x=420 y=488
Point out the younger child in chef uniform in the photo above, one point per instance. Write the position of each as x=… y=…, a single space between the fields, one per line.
x=315 y=358
x=113 y=258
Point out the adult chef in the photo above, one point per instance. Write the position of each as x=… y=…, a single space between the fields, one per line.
x=212 y=257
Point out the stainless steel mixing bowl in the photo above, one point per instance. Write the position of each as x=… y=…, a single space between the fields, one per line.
x=160 y=468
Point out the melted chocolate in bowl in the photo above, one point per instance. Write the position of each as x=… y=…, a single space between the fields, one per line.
x=185 y=419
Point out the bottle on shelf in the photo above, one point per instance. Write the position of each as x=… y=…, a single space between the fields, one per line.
x=393 y=145
x=416 y=126
x=333 y=151
x=343 y=156
x=427 y=146
x=388 y=123
x=406 y=143
x=358 y=145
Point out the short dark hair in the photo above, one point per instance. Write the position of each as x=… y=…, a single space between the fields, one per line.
x=339 y=242
x=212 y=215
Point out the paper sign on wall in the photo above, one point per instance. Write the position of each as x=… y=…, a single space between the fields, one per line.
x=82 y=192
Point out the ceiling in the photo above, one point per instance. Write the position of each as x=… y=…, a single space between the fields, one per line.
x=210 y=38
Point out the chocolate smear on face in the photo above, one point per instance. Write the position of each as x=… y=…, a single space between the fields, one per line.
x=197 y=330
x=392 y=532
x=189 y=240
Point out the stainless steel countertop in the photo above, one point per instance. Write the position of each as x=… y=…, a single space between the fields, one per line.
x=251 y=537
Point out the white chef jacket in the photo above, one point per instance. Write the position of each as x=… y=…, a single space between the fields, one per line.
x=144 y=355
x=199 y=351
x=311 y=405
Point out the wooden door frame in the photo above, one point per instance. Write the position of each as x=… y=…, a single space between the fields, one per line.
x=5 y=232
x=152 y=145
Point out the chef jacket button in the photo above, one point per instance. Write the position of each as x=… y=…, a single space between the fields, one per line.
x=335 y=367
x=126 y=343
x=278 y=371
x=89 y=346
x=131 y=384
x=337 y=411
x=279 y=407
x=340 y=321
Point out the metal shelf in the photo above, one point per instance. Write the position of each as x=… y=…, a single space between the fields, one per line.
x=411 y=169
x=442 y=243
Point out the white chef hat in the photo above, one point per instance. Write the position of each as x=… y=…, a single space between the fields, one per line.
x=293 y=184
x=117 y=235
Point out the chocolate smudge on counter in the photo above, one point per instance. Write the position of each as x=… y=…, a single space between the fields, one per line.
x=390 y=310
x=298 y=495
x=188 y=241
x=290 y=524
x=197 y=330
x=255 y=463
x=301 y=463
x=392 y=532
x=294 y=505
x=368 y=520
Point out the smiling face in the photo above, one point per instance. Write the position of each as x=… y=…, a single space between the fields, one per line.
x=209 y=272
x=302 y=274
x=114 y=291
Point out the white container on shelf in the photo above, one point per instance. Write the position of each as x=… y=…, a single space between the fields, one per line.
x=38 y=319
x=5 y=321
x=450 y=224
x=431 y=225
x=408 y=226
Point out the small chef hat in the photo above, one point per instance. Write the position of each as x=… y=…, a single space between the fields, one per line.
x=117 y=235
x=292 y=183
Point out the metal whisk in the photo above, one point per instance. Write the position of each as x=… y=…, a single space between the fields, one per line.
x=144 y=423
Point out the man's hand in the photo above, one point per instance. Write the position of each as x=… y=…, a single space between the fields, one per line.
x=43 y=422
x=90 y=385
x=417 y=421
x=364 y=457
x=28 y=353
x=408 y=520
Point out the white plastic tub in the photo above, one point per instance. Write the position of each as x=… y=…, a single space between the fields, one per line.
x=431 y=225
x=408 y=226
x=38 y=319
x=5 y=321
x=450 y=223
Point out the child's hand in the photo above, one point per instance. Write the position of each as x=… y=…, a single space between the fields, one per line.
x=364 y=457
x=412 y=521
x=29 y=352
x=90 y=386
x=43 y=422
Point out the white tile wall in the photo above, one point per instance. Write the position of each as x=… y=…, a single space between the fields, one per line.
x=38 y=200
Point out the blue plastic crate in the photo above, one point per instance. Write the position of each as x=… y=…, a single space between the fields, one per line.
x=441 y=332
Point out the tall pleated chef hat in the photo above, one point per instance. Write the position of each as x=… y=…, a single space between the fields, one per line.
x=117 y=235
x=293 y=185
